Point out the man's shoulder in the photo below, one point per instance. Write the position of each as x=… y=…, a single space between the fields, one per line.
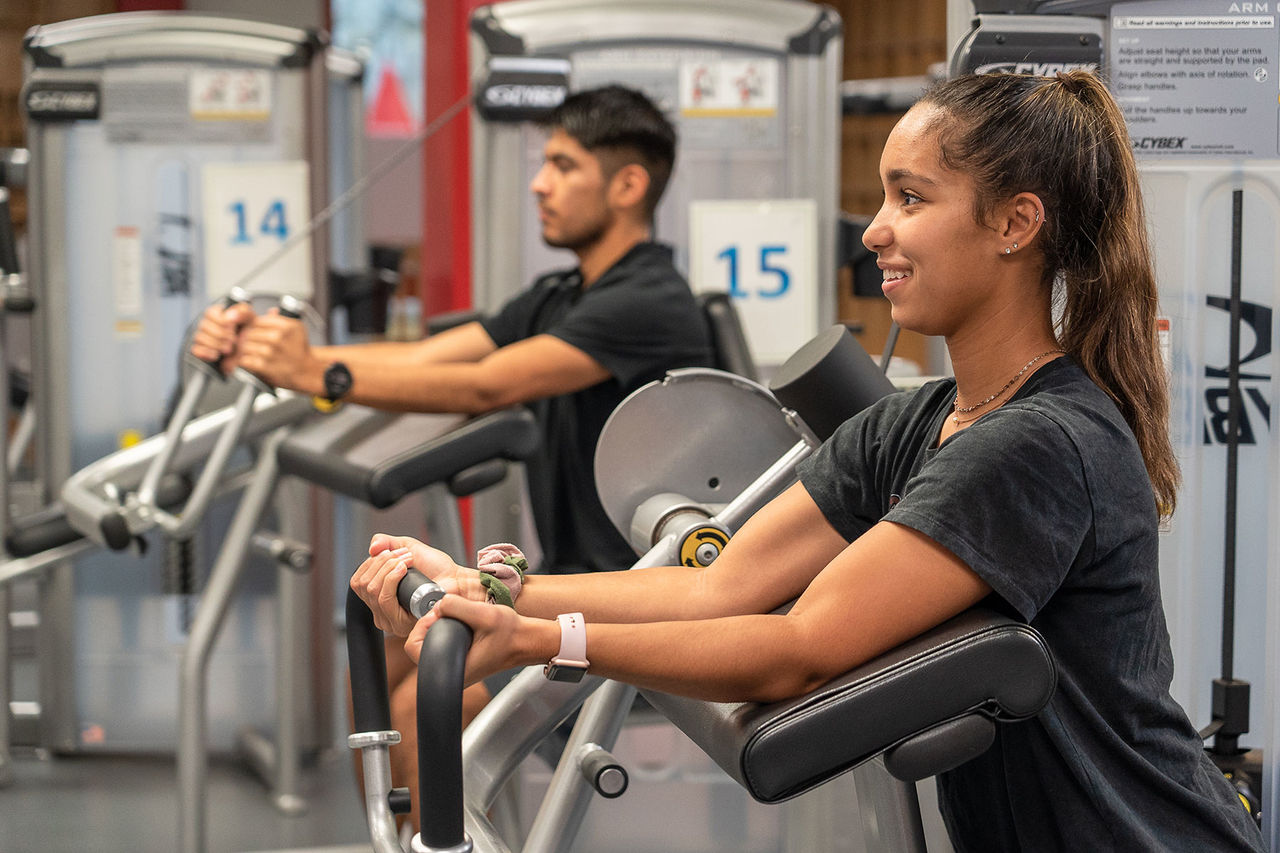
x=645 y=263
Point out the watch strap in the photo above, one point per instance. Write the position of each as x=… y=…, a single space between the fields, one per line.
x=570 y=662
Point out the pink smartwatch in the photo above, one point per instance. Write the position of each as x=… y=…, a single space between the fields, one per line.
x=571 y=662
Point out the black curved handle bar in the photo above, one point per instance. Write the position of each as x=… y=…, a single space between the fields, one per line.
x=440 y=682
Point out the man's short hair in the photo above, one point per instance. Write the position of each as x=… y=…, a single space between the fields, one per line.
x=621 y=126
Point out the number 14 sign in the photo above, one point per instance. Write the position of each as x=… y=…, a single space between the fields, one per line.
x=764 y=254
x=250 y=211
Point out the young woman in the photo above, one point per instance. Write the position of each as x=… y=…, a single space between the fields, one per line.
x=1012 y=226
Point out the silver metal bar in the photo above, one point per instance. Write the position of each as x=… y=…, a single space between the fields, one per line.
x=511 y=726
x=765 y=488
x=292 y=668
x=84 y=493
x=181 y=525
x=11 y=570
x=444 y=523
x=569 y=794
x=890 y=809
x=193 y=669
x=6 y=688
x=21 y=438
x=173 y=436
x=376 y=761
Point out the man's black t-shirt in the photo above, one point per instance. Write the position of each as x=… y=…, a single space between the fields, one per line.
x=638 y=320
x=1047 y=500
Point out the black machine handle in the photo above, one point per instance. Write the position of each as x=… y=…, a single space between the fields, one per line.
x=440 y=681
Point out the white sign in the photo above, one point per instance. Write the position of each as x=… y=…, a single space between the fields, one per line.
x=250 y=211
x=126 y=280
x=764 y=254
x=221 y=94
x=729 y=87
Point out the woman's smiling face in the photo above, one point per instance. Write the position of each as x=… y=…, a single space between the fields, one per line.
x=937 y=259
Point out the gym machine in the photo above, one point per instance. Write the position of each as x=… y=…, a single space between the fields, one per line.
x=916 y=711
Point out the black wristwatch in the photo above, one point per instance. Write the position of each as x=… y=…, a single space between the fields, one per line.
x=337 y=381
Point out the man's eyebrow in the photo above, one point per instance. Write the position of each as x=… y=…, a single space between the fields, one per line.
x=900 y=175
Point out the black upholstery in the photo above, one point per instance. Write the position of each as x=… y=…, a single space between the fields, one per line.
x=908 y=704
x=728 y=340
x=379 y=457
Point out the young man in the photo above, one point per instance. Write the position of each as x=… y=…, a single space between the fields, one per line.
x=571 y=347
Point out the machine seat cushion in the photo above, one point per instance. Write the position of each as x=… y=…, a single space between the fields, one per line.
x=977 y=663
x=379 y=457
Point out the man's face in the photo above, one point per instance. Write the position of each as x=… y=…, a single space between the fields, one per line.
x=572 y=194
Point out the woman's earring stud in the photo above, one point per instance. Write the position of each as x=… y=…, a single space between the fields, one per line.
x=1015 y=245
x=1007 y=250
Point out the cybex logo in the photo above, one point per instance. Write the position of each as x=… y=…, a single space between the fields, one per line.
x=63 y=103
x=524 y=95
x=1160 y=143
x=1038 y=69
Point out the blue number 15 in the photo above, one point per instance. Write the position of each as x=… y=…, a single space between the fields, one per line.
x=768 y=266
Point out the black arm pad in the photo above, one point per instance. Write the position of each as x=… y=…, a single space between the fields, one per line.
x=379 y=457
x=977 y=663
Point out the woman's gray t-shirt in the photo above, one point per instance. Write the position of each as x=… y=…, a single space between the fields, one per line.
x=1048 y=501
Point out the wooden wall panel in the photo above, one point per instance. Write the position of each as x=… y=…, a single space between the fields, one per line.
x=882 y=38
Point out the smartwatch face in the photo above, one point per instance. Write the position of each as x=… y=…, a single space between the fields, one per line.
x=560 y=672
x=337 y=380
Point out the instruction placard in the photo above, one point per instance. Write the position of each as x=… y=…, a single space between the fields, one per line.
x=1198 y=79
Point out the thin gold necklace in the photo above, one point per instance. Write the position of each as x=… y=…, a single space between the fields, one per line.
x=957 y=410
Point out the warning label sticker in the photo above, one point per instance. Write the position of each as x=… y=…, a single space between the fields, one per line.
x=1197 y=82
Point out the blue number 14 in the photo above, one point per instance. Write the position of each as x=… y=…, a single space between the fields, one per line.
x=274 y=222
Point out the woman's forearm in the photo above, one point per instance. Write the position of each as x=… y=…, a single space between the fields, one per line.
x=755 y=658
x=636 y=595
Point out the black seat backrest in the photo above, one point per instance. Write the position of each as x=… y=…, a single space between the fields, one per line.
x=728 y=341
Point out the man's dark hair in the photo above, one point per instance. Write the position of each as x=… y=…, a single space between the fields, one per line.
x=621 y=126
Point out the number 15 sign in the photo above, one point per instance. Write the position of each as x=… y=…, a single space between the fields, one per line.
x=764 y=253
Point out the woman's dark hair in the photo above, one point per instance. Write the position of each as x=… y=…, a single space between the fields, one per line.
x=1064 y=138
x=621 y=126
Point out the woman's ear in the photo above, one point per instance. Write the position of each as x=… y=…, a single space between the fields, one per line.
x=1021 y=219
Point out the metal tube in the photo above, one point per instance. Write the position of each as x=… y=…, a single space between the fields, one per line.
x=1233 y=444
x=172 y=437
x=376 y=760
x=569 y=794
x=765 y=488
x=6 y=688
x=890 y=809
x=209 y=617
x=183 y=524
x=22 y=436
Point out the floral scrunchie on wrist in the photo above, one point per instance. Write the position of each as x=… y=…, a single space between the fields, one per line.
x=502 y=567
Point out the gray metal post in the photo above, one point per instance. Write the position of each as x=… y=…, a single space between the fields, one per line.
x=569 y=794
x=193 y=669
x=890 y=810
x=6 y=683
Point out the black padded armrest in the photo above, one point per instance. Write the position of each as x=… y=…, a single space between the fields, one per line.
x=379 y=457
x=977 y=663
